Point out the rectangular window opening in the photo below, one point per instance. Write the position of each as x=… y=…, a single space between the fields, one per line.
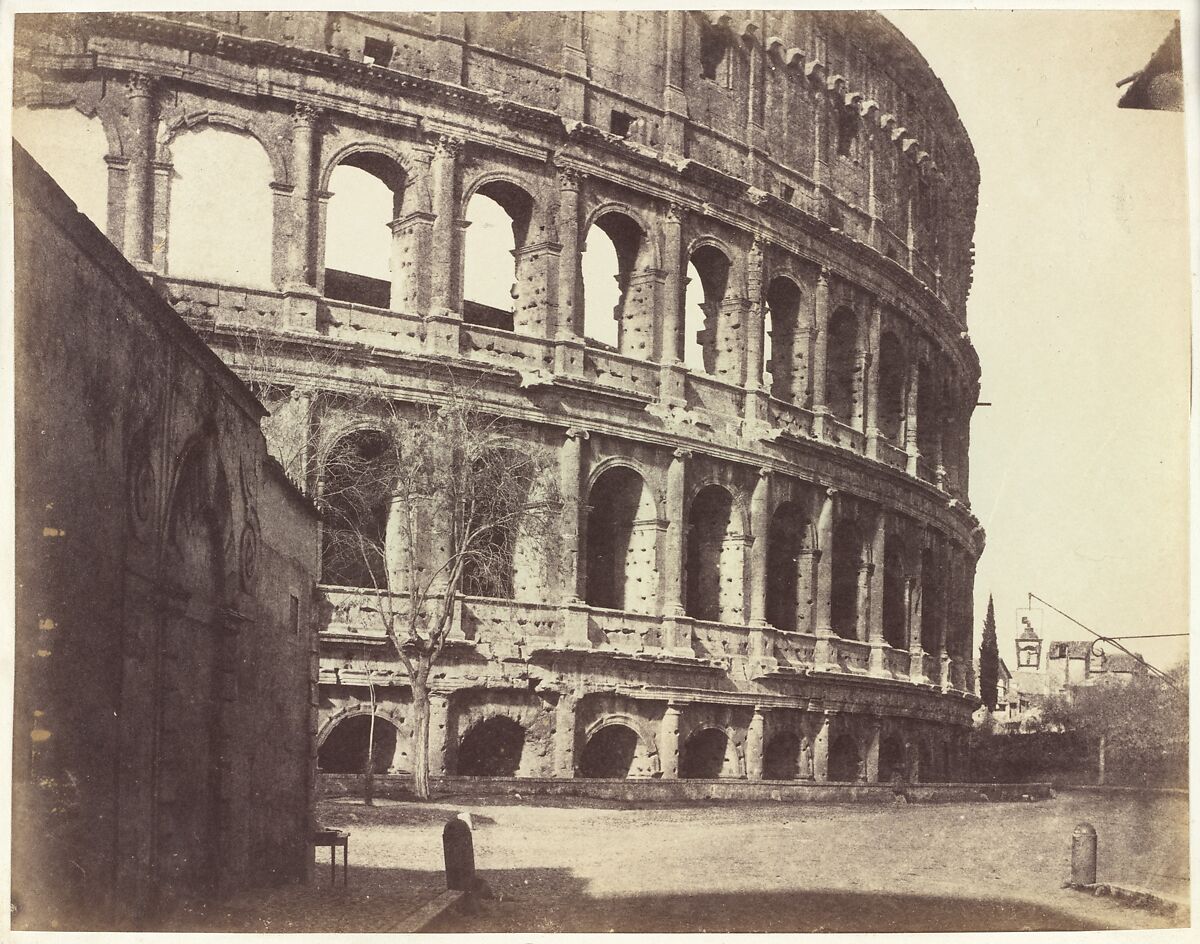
x=377 y=52
x=620 y=124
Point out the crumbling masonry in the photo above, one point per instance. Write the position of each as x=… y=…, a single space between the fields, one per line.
x=770 y=556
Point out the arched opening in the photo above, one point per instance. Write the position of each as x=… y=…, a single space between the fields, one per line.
x=781 y=757
x=843 y=367
x=931 y=600
x=845 y=761
x=926 y=772
x=363 y=262
x=891 y=759
x=893 y=593
x=784 y=546
x=621 y=533
x=714 y=558
x=707 y=278
x=491 y=535
x=847 y=563
x=499 y=215
x=929 y=419
x=355 y=500
x=491 y=748
x=219 y=223
x=947 y=761
x=71 y=148
x=609 y=753
x=780 y=352
x=703 y=755
x=614 y=315
x=344 y=750
x=892 y=370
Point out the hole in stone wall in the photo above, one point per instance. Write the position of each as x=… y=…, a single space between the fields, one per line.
x=707 y=275
x=703 y=755
x=491 y=748
x=842 y=366
x=367 y=193
x=499 y=215
x=344 y=750
x=893 y=593
x=780 y=355
x=890 y=411
x=710 y=525
x=377 y=52
x=620 y=123
x=783 y=562
x=891 y=759
x=618 y=498
x=931 y=600
x=609 y=752
x=714 y=53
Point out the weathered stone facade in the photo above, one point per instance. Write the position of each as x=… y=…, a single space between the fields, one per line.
x=769 y=562
x=165 y=609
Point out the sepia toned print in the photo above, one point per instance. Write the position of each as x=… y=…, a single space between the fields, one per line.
x=525 y=456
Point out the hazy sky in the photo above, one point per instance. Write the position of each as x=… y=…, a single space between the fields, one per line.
x=1079 y=311
x=1080 y=314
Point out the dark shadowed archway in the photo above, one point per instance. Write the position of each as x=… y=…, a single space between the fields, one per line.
x=891 y=759
x=491 y=748
x=781 y=757
x=845 y=762
x=609 y=752
x=344 y=750
x=703 y=755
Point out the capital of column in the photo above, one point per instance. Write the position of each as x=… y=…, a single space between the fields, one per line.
x=765 y=472
x=823 y=277
x=569 y=178
x=675 y=212
x=671 y=711
x=448 y=146
x=305 y=115
x=831 y=492
x=574 y=432
x=140 y=85
x=682 y=453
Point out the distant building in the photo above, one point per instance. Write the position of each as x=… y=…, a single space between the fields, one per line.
x=165 y=693
x=1065 y=666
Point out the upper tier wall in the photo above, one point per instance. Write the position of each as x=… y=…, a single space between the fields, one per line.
x=834 y=112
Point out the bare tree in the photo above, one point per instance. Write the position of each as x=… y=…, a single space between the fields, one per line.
x=421 y=503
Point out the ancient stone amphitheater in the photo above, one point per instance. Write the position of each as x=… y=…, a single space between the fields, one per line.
x=764 y=418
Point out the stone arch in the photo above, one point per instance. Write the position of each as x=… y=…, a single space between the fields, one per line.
x=933 y=591
x=616 y=754
x=708 y=753
x=892 y=762
x=843 y=366
x=357 y=504
x=893 y=378
x=930 y=410
x=366 y=185
x=787 y=587
x=629 y=462
x=491 y=747
x=648 y=251
x=203 y=199
x=501 y=197
x=784 y=357
x=704 y=295
x=81 y=172
x=33 y=101
x=781 y=755
x=625 y=245
x=405 y=166
x=621 y=541
x=715 y=557
x=350 y=731
x=847 y=564
x=169 y=132
x=846 y=763
x=894 y=609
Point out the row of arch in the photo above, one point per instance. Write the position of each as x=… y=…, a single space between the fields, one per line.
x=494 y=746
x=370 y=251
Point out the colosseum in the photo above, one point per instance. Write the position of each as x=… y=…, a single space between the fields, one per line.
x=734 y=250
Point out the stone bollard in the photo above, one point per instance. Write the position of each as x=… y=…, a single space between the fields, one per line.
x=1083 y=855
x=458 y=845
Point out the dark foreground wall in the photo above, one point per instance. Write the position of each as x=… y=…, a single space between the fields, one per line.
x=164 y=591
x=675 y=791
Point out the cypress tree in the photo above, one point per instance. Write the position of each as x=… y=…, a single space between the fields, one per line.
x=989 y=659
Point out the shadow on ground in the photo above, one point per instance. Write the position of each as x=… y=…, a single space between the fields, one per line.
x=779 y=912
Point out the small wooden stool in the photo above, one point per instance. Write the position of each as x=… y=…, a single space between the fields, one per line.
x=334 y=838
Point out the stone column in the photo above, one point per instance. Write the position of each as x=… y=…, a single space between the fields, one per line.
x=676 y=524
x=139 y=91
x=914 y=608
x=446 y=242
x=823 y=653
x=821 y=749
x=671 y=321
x=910 y=417
x=571 y=468
x=820 y=407
x=871 y=418
x=755 y=100
x=439 y=720
x=877 y=664
x=760 y=527
x=946 y=619
x=668 y=744
x=568 y=326
x=564 y=736
x=754 y=746
x=872 y=764
x=674 y=98
x=304 y=160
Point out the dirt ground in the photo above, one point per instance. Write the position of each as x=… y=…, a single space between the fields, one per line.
x=578 y=866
